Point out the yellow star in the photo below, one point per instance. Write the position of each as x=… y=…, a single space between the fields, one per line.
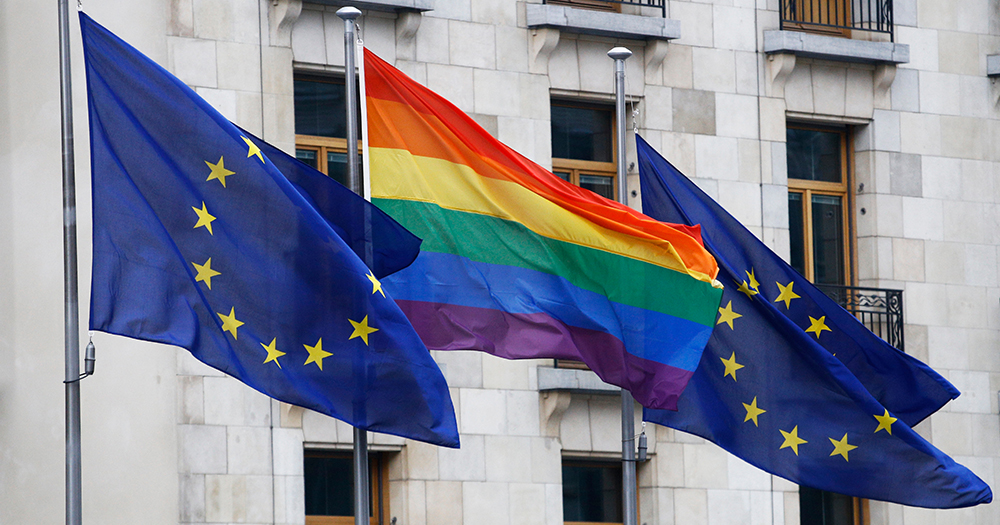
x=885 y=422
x=229 y=322
x=362 y=330
x=376 y=285
x=727 y=315
x=786 y=294
x=841 y=447
x=205 y=272
x=817 y=326
x=753 y=411
x=731 y=366
x=254 y=150
x=753 y=280
x=204 y=218
x=273 y=353
x=746 y=289
x=316 y=354
x=792 y=439
x=219 y=172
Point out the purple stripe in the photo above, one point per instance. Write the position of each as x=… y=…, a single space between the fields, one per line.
x=540 y=336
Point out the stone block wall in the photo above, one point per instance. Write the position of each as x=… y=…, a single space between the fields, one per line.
x=717 y=107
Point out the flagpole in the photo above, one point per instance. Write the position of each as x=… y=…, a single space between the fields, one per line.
x=349 y=15
x=630 y=513
x=71 y=310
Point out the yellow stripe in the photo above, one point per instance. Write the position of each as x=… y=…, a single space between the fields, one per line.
x=398 y=174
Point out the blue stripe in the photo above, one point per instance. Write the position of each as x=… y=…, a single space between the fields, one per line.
x=452 y=279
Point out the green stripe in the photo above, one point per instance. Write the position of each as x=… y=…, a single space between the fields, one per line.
x=497 y=241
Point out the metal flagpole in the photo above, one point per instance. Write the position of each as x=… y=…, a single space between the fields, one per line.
x=630 y=513
x=71 y=310
x=349 y=15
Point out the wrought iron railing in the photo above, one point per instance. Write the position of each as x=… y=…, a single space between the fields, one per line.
x=838 y=16
x=880 y=309
x=605 y=4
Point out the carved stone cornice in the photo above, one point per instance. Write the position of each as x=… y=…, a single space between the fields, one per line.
x=281 y=17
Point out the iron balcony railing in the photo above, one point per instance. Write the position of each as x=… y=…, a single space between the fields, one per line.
x=838 y=16
x=879 y=309
x=604 y=5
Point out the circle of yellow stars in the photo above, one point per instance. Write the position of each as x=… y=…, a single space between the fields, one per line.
x=790 y=438
x=229 y=322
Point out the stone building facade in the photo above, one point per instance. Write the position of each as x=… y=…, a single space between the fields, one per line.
x=715 y=85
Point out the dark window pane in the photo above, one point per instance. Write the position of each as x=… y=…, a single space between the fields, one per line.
x=598 y=184
x=818 y=507
x=581 y=133
x=319 y=107
x=336 y=166
x=828 y=239
x=813 y=155
x=329 y=484
x=796 y=232
x=307 y=156
x=592 y=492
x=562 y=175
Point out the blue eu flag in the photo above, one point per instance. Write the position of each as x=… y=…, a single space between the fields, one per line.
x=207 y=238
x=792 y=383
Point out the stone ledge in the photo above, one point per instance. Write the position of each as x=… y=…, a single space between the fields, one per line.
x=601 y=23
x=572 y=380
x=833 y=48
x=381 y=5
x=993 y=65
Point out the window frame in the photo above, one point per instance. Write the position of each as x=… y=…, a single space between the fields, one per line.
x=808 y=188
x=323 y=146
x=320 y=144
x=577 y=167
x=843 y=189
x=378 y=478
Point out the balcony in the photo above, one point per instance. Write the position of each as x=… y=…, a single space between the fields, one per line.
x=610 y=5
x=838 y=17
x=879 y=309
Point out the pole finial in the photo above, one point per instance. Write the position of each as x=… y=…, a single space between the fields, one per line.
x=618 y=53
x=349 y=13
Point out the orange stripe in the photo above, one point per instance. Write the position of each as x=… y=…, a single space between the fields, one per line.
x=405 y=115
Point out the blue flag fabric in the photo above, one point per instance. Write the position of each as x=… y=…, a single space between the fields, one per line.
x=815 y=401
x=201 y=241
x=369 y=231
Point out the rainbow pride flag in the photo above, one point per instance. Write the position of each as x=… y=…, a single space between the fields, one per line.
x=521 y=264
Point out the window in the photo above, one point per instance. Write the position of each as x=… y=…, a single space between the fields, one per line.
x=583 y=146
x=329 y=488
x=818 y=201
x=321 y=124
x=829 y=508
x=592 y=491
x=818 y=204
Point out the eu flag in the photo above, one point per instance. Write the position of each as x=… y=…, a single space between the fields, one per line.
x=207 y=238
x=795 y=385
